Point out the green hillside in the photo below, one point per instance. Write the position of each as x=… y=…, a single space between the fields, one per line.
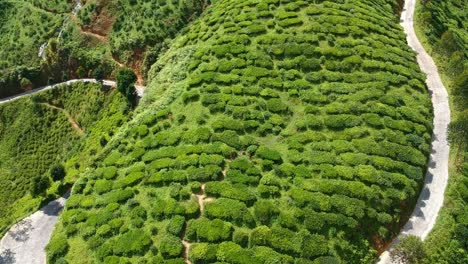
x=45 y=129
x=103 y=36
x=442 y=27
x=24 y=27
x=271 y=132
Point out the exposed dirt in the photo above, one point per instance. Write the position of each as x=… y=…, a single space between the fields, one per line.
x=102 y=20
x=101 y=38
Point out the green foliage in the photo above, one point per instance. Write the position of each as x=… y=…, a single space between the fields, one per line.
x=39 y=184
x=171 y=246
x=57 y=172
x=126 y=79
x=210 y=231
x=409 y=250
x=275 y=139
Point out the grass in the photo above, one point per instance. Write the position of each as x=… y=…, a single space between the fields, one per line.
x=34 y=136
x=310 y=128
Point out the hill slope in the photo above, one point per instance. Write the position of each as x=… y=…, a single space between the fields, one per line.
x=273 y=131
x=47 y=128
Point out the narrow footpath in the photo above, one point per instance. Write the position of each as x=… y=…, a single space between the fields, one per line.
x=431 y=199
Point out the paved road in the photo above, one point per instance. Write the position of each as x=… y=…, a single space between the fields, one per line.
x=431 y=199
x=139 y=89
x=26 y=241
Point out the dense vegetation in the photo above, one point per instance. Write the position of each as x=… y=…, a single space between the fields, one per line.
x=443 y=26
x=137 y=30
x=24 y=27
x=101 y=37
x=304 y=127
x=39 y=132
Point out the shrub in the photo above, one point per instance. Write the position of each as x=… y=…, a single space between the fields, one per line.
x=134 y=242
x=39 y=184
x=57 y=248
x=226 y=209
x=203 y=229
x=175 y=225
x=241 y=237
x=410 y=249
x=228 y=190
x=264 y=210
x=275 y=105
x=116 y=196
x=269 y=154
x=203 y=253
x=170 y=246
x=129 y=180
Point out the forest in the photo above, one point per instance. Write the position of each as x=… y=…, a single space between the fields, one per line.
x=270 y=132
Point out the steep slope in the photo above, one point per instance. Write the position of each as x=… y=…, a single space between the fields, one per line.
x=44 y=129
x=300 y=128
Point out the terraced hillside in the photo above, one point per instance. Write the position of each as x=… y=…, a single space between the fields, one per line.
x=37 y=132
x=273 y=132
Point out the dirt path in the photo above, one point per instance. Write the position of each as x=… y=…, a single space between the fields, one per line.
x=72 y=121
x=25 y=242
x=94 y=35
x=431 y=199
x=139 y=88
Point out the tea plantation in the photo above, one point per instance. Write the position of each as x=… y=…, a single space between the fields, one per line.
x=43 y=130
x=271 y=132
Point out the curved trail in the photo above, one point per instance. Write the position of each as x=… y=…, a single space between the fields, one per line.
x=431 y=199
x=25 y=242
x=139 y=89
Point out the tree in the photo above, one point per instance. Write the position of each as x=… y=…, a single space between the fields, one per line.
x=57 y=172
x=126 y=79
x=409 y=250
x=38 y=185
x=99 y=74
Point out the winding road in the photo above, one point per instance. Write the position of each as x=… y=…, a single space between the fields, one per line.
x=431 y=199
x=25 y=242
x=139 y=89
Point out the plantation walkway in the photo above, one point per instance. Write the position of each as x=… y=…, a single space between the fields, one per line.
x=25 y=242
x=431 y=199
x=139 y=89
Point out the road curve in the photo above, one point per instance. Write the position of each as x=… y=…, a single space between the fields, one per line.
x=431 y=199
x=139 y=89
x=25 y=242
